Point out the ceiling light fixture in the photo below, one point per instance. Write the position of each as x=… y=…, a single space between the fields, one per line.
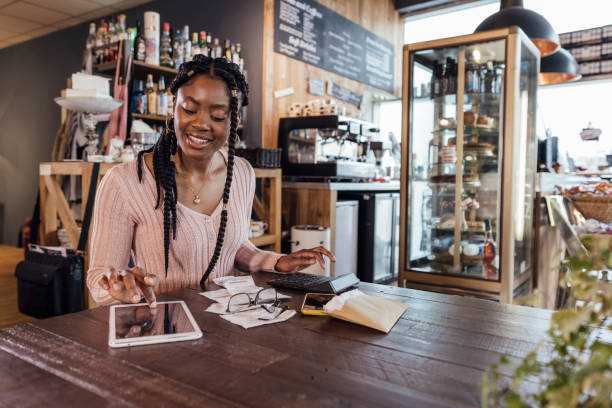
x=558 y=68
x=537 y=28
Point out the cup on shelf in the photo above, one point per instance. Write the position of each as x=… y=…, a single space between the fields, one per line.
x=257 y=229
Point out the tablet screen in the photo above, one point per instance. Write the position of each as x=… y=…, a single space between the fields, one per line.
x=139 y=320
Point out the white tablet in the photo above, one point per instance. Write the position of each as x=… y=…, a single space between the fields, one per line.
x=135 y=325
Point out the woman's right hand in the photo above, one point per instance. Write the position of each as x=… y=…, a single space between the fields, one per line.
x=130 y=285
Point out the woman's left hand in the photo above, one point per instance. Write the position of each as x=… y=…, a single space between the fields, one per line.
x=302 y=259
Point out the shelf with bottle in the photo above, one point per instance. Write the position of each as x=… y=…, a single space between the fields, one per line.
x=168 y=50
x=481 y=98
x=139 y=66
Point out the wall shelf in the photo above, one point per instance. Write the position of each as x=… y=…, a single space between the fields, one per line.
x=109 y=67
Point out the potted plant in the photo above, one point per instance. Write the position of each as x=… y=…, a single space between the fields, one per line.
x=579 y=370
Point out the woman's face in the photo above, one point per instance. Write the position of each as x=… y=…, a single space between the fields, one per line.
x=202 y=116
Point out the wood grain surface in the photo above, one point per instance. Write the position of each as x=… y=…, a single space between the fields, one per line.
x=281 y=72
x=9 y=312
x=435 y=356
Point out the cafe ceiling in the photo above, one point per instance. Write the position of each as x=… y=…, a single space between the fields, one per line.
x=23 y=20
x=409 y=7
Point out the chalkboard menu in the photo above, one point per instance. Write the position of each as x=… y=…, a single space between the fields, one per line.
x=307 y=31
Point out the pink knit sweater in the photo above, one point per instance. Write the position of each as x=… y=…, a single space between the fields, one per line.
x=126 y=221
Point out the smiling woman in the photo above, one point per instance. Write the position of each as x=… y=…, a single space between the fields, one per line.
x=190 y=193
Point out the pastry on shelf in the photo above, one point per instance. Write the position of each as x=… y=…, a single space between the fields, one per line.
x=450 y=178
x=478 y=146
x=446 y=123
x=485 y=121
x=470 y=118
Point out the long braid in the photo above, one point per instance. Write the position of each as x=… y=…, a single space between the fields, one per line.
x=166 y=147
x=226 y=189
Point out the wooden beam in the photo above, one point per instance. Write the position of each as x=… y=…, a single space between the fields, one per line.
x=63 y=209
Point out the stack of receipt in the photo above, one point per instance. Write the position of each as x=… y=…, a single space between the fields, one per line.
x=253 y=316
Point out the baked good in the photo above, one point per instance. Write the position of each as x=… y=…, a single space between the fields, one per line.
x=485 y=120
x=470 y=118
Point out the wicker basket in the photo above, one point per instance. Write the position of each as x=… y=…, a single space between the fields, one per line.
x=260 y=157
x=597 y=207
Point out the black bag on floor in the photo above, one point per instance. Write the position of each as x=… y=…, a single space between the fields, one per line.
x=49 y=284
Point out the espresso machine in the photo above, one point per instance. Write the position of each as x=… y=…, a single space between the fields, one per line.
x=330 y=147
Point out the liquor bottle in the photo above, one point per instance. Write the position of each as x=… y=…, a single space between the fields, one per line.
x=165 y=47
x=162 y=98
x=195 y=45
x=450 y=74
x=204 y=46
x=112 y=39
x=139 y=44
x=106 y=39
x=443 y=78
x=218 y=49
x=150 y=92
x=209 y=42
x=99 y=45
x=239 y=57
x=129 y=43
x=472 y=77
x=186 y=44
x=177 y=48
x=488 y=78
x=489 y=252
x=227 y=51
x=233 y=54
x=90 y=43
x=139 y=99
x=435 y=80
x=121 y=30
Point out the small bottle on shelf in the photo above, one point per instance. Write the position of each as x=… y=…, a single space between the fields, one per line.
x=489 y=253
x=177 y=48
x=450 y=74
x=209 y=41
x=165 y=47
x=227 y=51
x=150 y=92
x=91 y=37
x=434 y=84
x=162 y=98
x=187 y=44
x=139 y=99
x=239 y=57
x=139 y=43
x=195 y=45
x=204 y=46
x=218 y=49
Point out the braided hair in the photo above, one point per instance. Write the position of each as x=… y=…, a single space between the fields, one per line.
x=166 y=147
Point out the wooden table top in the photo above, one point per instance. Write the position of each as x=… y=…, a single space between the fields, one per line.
x=435 y=356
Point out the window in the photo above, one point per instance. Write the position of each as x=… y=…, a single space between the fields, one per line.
x=564 y=109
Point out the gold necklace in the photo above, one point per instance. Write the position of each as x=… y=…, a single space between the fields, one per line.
x=196 y=194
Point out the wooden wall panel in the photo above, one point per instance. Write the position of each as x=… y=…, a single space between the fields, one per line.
x=280 y=72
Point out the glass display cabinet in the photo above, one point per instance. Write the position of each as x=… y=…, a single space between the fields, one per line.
x=469 y=164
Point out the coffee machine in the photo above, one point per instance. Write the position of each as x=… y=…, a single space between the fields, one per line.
x=332 y=147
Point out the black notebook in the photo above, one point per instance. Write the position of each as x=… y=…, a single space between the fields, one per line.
x=315 y=283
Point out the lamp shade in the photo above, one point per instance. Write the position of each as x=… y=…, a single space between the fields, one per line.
x=537 y=28
x=558 y=67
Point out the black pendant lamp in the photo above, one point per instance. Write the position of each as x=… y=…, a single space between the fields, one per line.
x=558 y=67
x=512 y=13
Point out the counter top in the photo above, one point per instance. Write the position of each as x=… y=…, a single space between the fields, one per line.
x=373 y=186
x=435 y=356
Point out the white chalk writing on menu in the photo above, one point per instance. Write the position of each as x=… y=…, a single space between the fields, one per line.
x=307 y=31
